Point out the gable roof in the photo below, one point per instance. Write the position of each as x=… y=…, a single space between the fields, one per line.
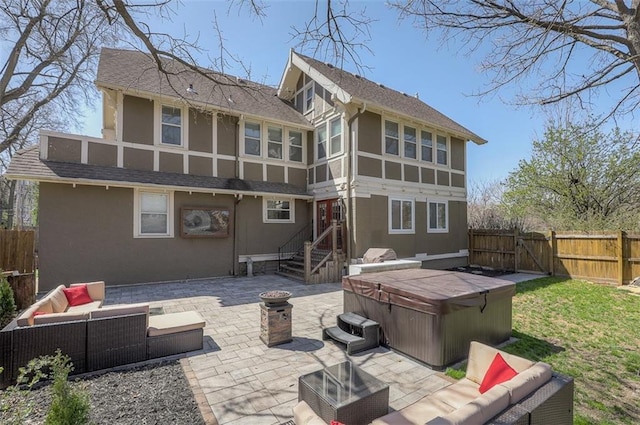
x=136 y=71
x=361 y=90
x=27 y=165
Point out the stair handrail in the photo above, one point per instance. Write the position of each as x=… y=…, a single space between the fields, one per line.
x=295 y=243
x=310 y=246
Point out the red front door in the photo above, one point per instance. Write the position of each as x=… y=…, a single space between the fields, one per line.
x=329 y=209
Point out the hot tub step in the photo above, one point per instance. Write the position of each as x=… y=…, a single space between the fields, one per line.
x=357 y=332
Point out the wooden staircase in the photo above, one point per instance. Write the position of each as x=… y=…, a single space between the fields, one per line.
x=311 y=263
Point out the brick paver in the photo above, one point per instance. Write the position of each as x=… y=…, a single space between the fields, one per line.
x=242 y=380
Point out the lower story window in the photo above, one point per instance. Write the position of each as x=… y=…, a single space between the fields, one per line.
x=153 y=217
x=278 y=210
x=437 y=219
x=401 y=216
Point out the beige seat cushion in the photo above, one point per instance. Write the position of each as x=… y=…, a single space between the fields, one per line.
x=457 y=395
x=82 y=308
x=60 y=317
x=416 y=414
x=121 y=310
x=527 y=381
x=59 y=300
x=26 y=318
x=481 y=356
x=164 y=324
x=479 y=411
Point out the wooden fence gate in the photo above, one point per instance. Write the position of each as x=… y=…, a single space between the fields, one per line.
x=610 y=257
x=18 y=264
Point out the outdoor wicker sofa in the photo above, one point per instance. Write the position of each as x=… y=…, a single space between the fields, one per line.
x=95 y=337
x=536 y=395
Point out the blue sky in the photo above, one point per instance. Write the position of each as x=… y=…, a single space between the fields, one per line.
x=401 y=57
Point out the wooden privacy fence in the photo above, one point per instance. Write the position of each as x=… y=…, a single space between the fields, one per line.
x=18 y=261
x=611 y=257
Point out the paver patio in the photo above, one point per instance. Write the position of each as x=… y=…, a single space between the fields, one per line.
x=245 y=382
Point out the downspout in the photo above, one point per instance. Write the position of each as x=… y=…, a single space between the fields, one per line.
x=350 y=221
x=234 y=251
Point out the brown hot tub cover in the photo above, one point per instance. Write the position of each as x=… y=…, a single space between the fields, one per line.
x=436 y=292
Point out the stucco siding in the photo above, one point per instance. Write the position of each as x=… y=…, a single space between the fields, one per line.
x=321 y=173
x=335 y=169
x=226 y=168
x=200 y=166
x=200 y=131
x=392 y=170
x=411 y=173
x=457 y=180
x=443 y=178
x=252 y=171
x=369 y=167
x=102 y=154
x=137 y=126
x=171 y=163
x=138 y=159
x=227 y=135
x=89 y=236
x=457 y=154
x=256 y=237
x=298 y=177
x=370 y=133
x=63 y=150
x=275 y=174
x=372 y=229
x=428 y=175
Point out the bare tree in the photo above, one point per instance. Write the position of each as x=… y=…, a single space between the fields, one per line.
x=485 y=209
x=552 y=50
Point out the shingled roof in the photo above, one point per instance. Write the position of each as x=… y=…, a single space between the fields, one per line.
x=366 y=91
x=136 y=71
x=26 y=164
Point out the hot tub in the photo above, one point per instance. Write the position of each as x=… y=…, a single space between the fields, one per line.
x=432 y=315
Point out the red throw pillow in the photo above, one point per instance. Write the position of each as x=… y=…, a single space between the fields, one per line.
x=334 y=422
x=77 y=295
x=498 y=372
x=39 y=313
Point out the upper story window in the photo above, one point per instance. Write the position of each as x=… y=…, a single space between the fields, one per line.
x=278 y=210
x=321 y=141
x=295 y=146
x=391 y=135
x=171 y=125
x=274 y=147
x=335 y=127
x=308 y=97
x=252 y=138
x=409 y=142
x=401 y=215
x=442 y=149
x=438 y=217
x=426 y=144
x=153 y=217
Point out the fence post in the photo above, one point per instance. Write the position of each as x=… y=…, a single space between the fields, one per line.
x=516 y=249
x=552 y=252
x=470 y=246
x=621 y=257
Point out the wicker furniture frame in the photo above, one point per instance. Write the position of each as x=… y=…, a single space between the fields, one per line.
x=552 y=403
x=368 y=401
x=91 y=344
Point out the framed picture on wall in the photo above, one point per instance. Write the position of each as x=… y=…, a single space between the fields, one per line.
x=205 y=222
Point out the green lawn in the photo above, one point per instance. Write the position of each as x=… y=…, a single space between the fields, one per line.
x=590 y=332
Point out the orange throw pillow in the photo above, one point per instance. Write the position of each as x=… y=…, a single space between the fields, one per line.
x=77 y=295
x=498 y=372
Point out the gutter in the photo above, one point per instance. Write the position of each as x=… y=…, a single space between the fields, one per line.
x=350 y=159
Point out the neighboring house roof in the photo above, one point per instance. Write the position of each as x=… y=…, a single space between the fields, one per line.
x=136 y=71
x=26 y=164
x=359 y=89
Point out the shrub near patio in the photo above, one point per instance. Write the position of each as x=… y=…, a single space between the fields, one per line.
x=587 y=331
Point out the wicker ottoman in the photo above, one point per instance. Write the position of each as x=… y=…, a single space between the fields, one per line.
x=174 y=333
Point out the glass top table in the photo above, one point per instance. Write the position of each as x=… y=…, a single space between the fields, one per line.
x=344 y=392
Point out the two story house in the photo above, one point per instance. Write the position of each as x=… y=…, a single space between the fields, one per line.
x=195 y=178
